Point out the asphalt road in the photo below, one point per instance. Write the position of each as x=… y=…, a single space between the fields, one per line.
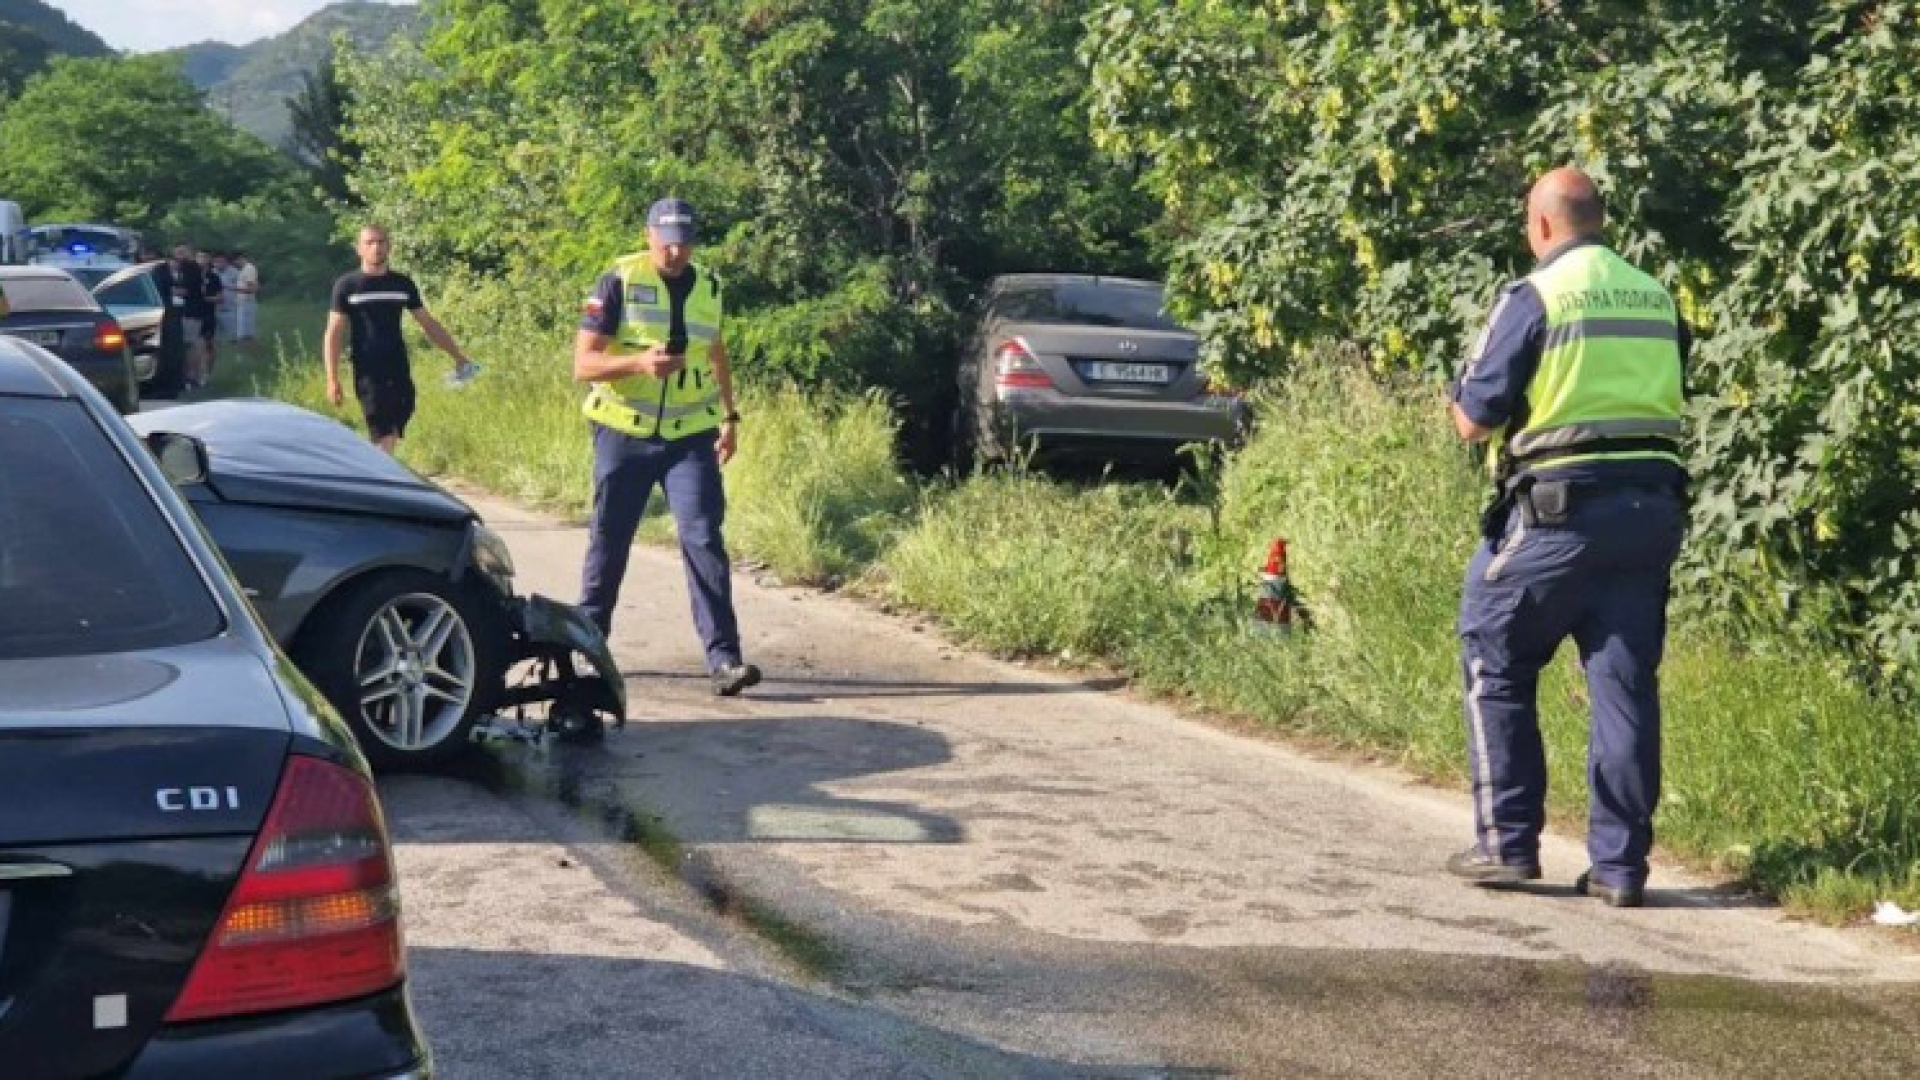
x=899 y=859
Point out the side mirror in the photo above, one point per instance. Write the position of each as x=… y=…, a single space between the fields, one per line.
x=182 y=457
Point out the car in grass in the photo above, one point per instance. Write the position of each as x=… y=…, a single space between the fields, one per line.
x=132 y=296
x=48 y=308
x=1085 y=366
x=386 y=589
x=196 y=877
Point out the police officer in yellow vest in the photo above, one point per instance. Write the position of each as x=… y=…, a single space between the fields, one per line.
x=662 y=411
x=1576 y=385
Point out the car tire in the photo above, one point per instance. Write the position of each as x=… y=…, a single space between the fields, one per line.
x=411 y=660
x=960 y=442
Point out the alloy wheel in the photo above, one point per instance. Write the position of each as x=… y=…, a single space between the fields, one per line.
x=415 y=670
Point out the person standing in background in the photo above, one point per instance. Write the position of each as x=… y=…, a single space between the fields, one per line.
x=189 y=296
x=246 y=295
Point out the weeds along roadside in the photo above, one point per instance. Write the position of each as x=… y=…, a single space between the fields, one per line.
x=1778 y=763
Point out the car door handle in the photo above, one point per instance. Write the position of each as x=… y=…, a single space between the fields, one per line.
x=32 y=871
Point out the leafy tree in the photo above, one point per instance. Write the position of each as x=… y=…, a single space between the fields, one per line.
x=1810 y=431
x=862 y=167
x=318 y=139
x=22 y=56
x=1352 y=172
x=122 y=140
x=284 y=229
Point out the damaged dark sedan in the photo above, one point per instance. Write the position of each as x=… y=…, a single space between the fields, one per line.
x=387 y=591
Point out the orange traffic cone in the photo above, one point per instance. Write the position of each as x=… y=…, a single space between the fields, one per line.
x=1273 y=608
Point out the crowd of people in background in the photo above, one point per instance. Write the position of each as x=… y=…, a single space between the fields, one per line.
x=210 y=295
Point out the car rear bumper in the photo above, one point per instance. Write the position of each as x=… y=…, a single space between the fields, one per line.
x=373 y=1038
x=1059 y=421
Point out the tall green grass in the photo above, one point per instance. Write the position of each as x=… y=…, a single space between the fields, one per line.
x=1780 y=764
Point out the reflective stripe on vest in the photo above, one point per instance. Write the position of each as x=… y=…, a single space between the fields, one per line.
x=1609 y=366
x=685 y=403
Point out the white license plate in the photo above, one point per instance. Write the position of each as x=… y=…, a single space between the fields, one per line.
x=46 y=339
x=1108 y=371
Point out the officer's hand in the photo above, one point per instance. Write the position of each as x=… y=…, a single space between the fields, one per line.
x=728 y=442
x=658 y=362
x=333 y=392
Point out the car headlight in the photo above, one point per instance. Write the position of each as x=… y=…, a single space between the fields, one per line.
x=492 y=559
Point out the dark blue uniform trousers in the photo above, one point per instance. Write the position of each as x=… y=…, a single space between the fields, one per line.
x=625 y=472
x=1602 y=579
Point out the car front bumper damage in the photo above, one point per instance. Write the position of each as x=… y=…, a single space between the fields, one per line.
x=564 y=680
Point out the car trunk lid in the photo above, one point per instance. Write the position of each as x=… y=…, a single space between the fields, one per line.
x=127 y=827
x=1090 y=361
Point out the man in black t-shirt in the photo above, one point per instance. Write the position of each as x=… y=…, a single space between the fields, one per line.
x=212 y=292
x=189 y=297
x=368 y=302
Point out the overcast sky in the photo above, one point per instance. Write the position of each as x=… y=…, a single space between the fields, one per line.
x=147 y=25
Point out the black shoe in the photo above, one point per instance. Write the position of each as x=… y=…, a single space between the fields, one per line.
x=730 y=680
x=1612 y=895
x=1482 y=869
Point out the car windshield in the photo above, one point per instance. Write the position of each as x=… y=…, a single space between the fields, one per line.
x=48 y=293
x=137 y=291
x=88 y=562
x=1087 y=303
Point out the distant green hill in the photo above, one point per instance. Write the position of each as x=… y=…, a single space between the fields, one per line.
x=251 y=83
x=31 y=33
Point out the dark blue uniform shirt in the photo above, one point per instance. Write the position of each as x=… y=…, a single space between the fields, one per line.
x=609 y=301
x=1492 y=388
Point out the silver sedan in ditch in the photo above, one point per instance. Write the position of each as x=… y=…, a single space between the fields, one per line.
x=1078 y=365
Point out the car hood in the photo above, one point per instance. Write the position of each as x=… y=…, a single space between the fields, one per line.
x=273 y=454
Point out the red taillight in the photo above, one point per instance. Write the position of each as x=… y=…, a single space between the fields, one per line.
x=315 y=917
x=1015 y=367
x=108 y=338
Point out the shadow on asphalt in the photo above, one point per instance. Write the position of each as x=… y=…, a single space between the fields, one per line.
x=772 y=770
x=831 y=689
x=598 y=1016
x=1716 y=897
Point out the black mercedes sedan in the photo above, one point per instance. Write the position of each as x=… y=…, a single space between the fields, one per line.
x=387 y=590
x=47 y=307
x=195 y=874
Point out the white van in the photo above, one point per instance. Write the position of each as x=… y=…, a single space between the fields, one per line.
x=15 y=240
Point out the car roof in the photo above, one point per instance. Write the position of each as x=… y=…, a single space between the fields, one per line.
x=1005 y=280
x=125 y=272
x=88 y=225
x=33 y=270
x=29 y=371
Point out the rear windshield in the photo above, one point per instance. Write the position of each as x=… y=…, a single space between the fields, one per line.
x=1085 y=303
x=47 y=294
x=88 y=562
x=136 y=291
x=79 y=240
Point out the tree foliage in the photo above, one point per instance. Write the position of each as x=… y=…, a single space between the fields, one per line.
x=121 y=140
x=860 y=167
x=318 y=138
x=1354 y=171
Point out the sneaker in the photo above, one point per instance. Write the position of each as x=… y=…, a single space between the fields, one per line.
x=1482 y=869
x=733 y=678
x=1611 y=895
